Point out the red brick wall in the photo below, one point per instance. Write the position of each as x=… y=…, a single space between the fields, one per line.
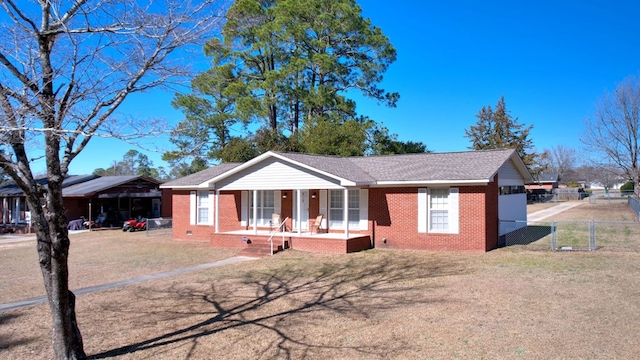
x=182 y=230
x=330 y=246
x=493 y=222
x=393 y=221
x=166 y=205
x=229 y=218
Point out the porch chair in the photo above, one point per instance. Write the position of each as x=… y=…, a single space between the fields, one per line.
x=318 y=223
x=275 y=221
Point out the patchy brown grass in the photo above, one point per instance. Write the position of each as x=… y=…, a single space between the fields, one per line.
x=505 y=304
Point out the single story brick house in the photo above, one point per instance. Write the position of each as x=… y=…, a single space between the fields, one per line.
x=111 y=199
x=544 y=183
x=432 y=201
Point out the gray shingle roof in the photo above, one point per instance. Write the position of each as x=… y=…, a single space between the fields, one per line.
x=91 y=187
x=342 y=167
x=201 y=176
x=425 y=167
x=551 y=177
x=14 y=190
x=460 y=166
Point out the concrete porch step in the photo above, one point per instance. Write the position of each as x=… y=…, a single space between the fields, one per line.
x=259 y=249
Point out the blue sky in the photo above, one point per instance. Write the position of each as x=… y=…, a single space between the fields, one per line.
x=551 y=60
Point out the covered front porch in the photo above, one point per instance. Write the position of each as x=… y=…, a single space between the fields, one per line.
x=263 y=242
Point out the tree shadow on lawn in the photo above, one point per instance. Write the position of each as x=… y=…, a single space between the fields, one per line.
x=5 y=341
x=288 y=299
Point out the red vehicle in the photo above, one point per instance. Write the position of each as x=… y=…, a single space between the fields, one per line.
x=135 y=224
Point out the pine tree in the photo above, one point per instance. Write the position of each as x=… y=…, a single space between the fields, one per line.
x=496 y=129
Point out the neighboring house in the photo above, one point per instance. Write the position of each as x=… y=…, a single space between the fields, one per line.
x=108 y=200
x=13 y=205
x=544 y=183
x=116 y=198
x=430 y=201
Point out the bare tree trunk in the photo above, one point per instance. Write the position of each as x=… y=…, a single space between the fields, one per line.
x=53 y=253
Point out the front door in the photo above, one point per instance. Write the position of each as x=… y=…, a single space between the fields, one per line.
x=303 y=222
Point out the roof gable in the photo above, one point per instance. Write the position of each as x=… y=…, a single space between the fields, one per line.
x=274 y=173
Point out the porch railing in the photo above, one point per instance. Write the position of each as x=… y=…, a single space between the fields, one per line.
x=276 y=231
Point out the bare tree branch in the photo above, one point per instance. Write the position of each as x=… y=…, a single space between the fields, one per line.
x=65 y=68
x=613 y=134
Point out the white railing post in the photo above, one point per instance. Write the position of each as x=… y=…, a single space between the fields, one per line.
x=275 y=232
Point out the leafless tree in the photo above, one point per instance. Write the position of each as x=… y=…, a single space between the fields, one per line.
x=65 y=67
x=613 y=133
x=561 y=159
x=605 y=175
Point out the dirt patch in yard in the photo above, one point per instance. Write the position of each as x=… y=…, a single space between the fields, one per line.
x=505 y=304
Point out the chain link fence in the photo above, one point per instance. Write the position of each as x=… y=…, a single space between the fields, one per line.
x=159 y=226
x=575 y=236
x=634 y=203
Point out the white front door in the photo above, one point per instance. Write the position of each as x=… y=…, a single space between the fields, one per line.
x=303 y=222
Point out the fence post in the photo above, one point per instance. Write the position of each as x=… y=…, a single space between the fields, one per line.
x=554 y=236
x=592 y=235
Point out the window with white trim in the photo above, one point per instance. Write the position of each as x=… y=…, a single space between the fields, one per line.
x=265 y=203
x=203 y=207
x=336 y=209
x=439 y=210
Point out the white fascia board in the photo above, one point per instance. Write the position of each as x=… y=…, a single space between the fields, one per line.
x=188 y=187
x=431 y=182
x=520 y=165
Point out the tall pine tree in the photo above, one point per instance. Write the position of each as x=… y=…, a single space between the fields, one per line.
x=496 y=129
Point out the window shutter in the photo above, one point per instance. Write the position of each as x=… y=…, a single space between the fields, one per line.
x=364 y=209
x=277 y=202
x=453 y=211
x=193 y=206
x=244 y=207
x=422 y=210
x=323 y=208
x=211 y=207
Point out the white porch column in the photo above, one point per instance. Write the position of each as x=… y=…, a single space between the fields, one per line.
x=299 y=211
x=346 y=213
x=4 y=210
x=16 y=215
x=217 y=210
x=255 y=212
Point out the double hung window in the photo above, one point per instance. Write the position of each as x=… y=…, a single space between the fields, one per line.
x=438 y=210
x=203 y=207
x=336 y=208
x=265 y=206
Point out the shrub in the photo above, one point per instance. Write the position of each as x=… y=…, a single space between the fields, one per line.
x=628 y=186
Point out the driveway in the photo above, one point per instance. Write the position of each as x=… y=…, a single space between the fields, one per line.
x=543 y=214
